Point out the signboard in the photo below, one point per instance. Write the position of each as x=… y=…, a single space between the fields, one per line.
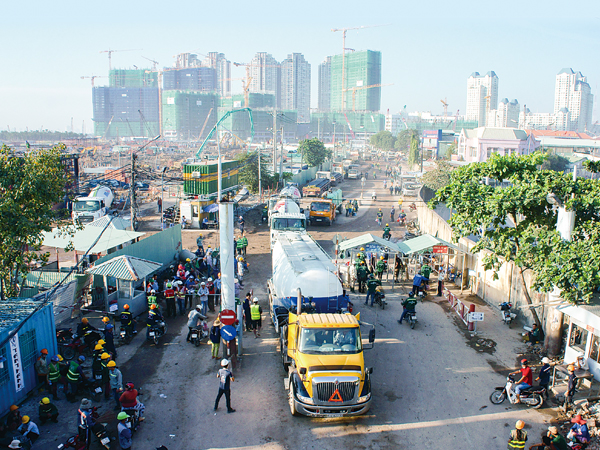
x=228 y=333
x=15 y=355
x=440 y=249
x=476 y=317
x=228 y=317
x=337 y=239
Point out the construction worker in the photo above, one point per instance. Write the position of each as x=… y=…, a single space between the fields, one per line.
x=41 y=367
x=109 y=337
x=348 y=208
x=360 y=256
x=115 y=379
x=379 y=216
x=29 y=429
x=380 y=268
x=105 y=359
x=170 y=298
x=75 y=376
x=372 y=284
x=361 y=276
x=53 y=376
x=387 y=232
x=154 y=317
x=242 y=222
x=409 y=306
x=225 y=378
x=47 y=411
x=126 y=317
x=200 y=242
x=426 y=270
x=124 y=431
x=98 y=350
x=255 y=315
x=240 y=269
x=151 y=298
x=239 y=244
x=83 y=327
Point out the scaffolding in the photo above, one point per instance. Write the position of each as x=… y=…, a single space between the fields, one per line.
x=362 y=69
x=185 y=113
x=133 y=78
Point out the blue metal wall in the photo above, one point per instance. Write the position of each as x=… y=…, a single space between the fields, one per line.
x=42 y=324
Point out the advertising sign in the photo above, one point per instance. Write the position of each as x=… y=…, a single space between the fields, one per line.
x=17 y=364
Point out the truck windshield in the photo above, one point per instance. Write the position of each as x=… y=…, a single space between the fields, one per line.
x=287 y=224
x=88 y=205
x=314 y=341
x=320 y=206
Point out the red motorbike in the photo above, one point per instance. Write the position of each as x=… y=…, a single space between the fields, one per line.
x=81 y=345
x=412 y=207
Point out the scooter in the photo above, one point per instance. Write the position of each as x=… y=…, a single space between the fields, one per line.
x=81 y=345
x=126 y=333
x=199 y=333
x=380 y=297
x=157 y=331
x=412 y=318
x=532 y=396
x=412 y=207
x=507 y=315
x=387 y=236
x=79 y=441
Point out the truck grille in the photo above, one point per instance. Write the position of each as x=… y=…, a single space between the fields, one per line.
x=325 y=391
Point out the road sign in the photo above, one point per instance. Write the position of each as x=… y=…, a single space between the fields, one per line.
x=228 y=317
x=337 y=239
x=476 y=317
x=228 y=333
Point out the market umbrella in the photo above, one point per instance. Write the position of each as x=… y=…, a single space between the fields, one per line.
x=212 y=208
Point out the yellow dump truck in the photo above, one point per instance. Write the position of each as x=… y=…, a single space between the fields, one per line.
x=323 y=357
x=322 y=211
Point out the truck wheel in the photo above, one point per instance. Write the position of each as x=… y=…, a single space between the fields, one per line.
x=291 y=400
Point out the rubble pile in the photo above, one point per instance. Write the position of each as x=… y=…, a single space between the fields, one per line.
x=590 y=412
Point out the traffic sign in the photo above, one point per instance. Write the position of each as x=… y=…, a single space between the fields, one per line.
x=228 y=317
x=476 y=317
x=337 y=239
x=228 y=333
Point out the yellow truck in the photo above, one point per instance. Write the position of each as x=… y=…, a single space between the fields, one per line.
x=322 y=355
x=322 y=211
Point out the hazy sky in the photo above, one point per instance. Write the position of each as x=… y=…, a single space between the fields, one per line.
x=428 y=49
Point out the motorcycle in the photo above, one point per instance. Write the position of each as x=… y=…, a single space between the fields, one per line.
x=157 y=331
x=64 y=335
x=412 y=318
x=532 y=396
x=380 y=297
x=79 y=441
x=412 y=207
x=126 y=333
x=387 y=236
x=199 y=333
x=81 y=345
x=373 y=196
x=507 y=315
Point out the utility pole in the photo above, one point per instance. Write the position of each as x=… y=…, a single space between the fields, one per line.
x=319 y=128
x=259 y=176
x=281 y=158
x=274 y=141
x=162 y=197
x=132 y=191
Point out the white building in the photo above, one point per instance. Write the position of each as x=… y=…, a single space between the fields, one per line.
x=482 y=96
x=545 y=121
x=325 y=85
x=295 y=86
x=394 y=123
x=479 y=144
x=573 y=92
x=222 y=66
x=507 y=115
x=266 y=76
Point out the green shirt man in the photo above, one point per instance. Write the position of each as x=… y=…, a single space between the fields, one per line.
x=426 y=271
x=372 y=285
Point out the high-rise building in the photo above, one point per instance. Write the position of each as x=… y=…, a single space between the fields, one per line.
x=295 y=86
x=192 y=79
x=266 y=76
x=222 y=66
x=360 y=70
x=573 y=92
x=482 y=96
x=507 y=115
x=187 y=60
x=325 y=85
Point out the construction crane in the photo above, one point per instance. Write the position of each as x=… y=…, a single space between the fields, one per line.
x=249 y=78
x=93 y=77
x=154 y=63
x=225 y=116
x=110 y=52
x=445 y=103
x=344 y=30
x=358 y=88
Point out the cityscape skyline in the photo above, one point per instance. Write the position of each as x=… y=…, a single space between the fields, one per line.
x=533 y=50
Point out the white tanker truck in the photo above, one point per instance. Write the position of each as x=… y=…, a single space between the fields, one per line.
x=298 y=262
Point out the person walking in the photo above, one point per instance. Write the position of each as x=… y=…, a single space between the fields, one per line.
x=571 y=385
x=203 y=294
x=240 y=270
x=545 y=373
x=124 y=432
x=441 y=275
x=242 y=222
x=361 y=276
x=255 y=314
x=380 y=268
x=518 y=436
x=392 y=214
x=109 y=339
x=159 y=205
x=225 y=378
x=170 y=298
x=116 y=382
x=47 y=411
x=215 y=338
x=246 y=308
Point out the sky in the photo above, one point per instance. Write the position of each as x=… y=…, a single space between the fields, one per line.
x=429 y=49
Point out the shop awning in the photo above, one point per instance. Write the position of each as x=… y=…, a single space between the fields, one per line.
x=426 y=242
x=366 y=239
x=126 y=268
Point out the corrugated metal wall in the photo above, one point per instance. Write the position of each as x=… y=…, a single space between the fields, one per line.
x=37 y=333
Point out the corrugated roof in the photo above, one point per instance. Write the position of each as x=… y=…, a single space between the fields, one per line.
x=14 y=311
x=368 y=238
x=125 y=268
x=557 y=142
x=83 y=239
x=505 y=134
x=426 y=242
x=116 y=223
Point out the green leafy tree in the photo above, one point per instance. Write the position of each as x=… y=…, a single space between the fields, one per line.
x=248 y=174
x=30 y=187
x=439 y=177
x=313 y=152
x=516 y=222
x=414 y=154
x=383 y=140
x=555 y=162
x=404 y=139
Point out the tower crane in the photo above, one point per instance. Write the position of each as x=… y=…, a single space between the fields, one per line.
x=445 y=103
x=249 y=78
x=93 y=77
x=154 y=63
x=344 y=30
x=358 y=88
x=110 y=52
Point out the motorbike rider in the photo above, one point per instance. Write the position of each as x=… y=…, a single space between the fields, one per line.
x=86 y=421
x=361 y=276
x=195 y=318
x=402 y=217
x=387 y=231
x=518 y=436
x=409 y=305
x=154 y=318
x=126 y=317
x=129 y=400
x=525 y=381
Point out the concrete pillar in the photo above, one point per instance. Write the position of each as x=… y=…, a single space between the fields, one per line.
x=227 y=255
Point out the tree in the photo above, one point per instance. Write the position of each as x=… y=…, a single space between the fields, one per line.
x=248 y=174
x=414 y=154
x=404 y=139
x=439 y=177
x=383 y=140
x=516 y=223
x=555 y=162
x=313 y=152
x=30 y=187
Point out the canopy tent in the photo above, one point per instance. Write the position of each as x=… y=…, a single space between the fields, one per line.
x=369 y=239
x=212 y=208
x=424 y=243
x=82 y=240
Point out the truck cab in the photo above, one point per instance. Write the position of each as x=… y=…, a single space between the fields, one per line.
x=323 y=357
x=322 y=211
x=281 y=222
x=88 y=209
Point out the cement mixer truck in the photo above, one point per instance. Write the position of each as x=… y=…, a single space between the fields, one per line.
x=95 y=205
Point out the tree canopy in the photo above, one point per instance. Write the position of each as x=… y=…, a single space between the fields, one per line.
x=439 y=177
x=414 y=154
x=404 y=139
x=30 y=187
x=516 y=222
x=555 y=162
x=313 y=152
x=383 y=140
x=248 y=174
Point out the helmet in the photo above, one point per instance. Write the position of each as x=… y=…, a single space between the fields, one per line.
x=519 y=425
x=60 y=358
x=44 y=351
x=129 y=386
x=105 y=319
x=545 y=360
x=524 y=361
x=191 y=277
x=111 y=364
x=109 y=326
x=14 y=408
x=219 y=274
x=241 y=217
x=235 y=280
x=180 y=266
x=571 y=368
x=101 y=342
x=122 y=416
x=224 y=363
x=25 y=419
x=362 y=263
x=54 y=359
x=81 y=358
x=153 y=306
x=381 y=257
x=84 y=320
x=379 y=209
x=209 y=280
x=362 y=249
x=387 y=224
x=98 y=347
x=126 y=306
x=104 y=356
x=169 y=285
x=45 y=401
x=188 y=260
x=198 y=306
x=200 y=235
x=255 y=300
x=402 y=210
x=203 y=284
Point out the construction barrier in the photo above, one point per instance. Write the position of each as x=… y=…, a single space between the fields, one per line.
x=460 y=308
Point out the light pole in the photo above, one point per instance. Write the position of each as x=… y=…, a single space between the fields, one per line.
x=162 y=197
